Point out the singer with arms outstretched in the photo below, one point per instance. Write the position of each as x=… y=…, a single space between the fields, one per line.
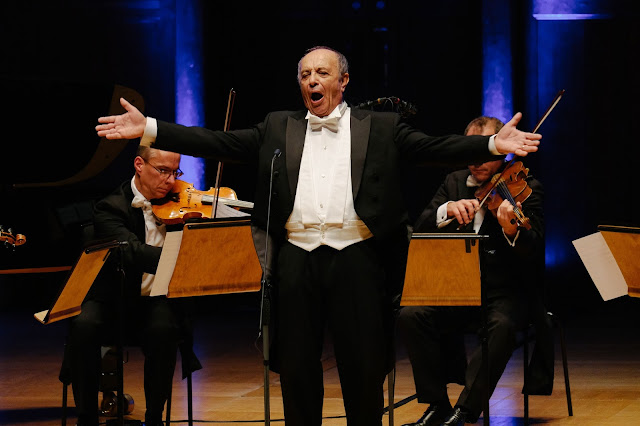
x=338 y=224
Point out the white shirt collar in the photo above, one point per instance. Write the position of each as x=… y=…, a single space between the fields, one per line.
x=337 y=112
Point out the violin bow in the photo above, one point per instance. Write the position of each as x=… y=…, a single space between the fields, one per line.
x=548 y=111
x=227 y=125
x=535 y=129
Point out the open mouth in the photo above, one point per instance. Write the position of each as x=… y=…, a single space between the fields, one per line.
x=316 y=96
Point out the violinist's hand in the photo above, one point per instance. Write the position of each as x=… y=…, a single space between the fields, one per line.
x=507 y=218
x=463 y=210
x=129 y=125
x=511 y=140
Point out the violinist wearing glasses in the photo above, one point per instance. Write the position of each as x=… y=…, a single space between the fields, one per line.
x=159 y=323
x=511 y=263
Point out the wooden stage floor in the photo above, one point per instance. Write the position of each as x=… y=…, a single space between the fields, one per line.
x=603 y=350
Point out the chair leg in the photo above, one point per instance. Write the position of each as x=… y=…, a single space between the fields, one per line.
x=190 y=399
x=64 y=404
x=168 y=418
x=565 y=367
x=391 y=383
x=525 y=357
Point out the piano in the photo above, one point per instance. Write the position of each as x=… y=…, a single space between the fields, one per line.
x=55 y=168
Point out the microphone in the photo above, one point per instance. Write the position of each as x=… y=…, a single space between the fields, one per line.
x=403 y=108
x=277 y=153
x=369 y=104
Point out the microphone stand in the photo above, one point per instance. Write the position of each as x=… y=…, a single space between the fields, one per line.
x=265 y=306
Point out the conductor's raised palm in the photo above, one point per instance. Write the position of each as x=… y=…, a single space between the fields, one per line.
x=129 y=125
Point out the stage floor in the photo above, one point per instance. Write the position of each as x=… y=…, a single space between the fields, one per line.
x=603 y=351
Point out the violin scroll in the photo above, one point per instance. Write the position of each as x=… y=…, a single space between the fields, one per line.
x=11 y=239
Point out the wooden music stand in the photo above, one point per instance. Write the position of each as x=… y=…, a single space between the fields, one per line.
x=208 y=257
x=610 y=257
x=72 y=294
x=444 y=270
x=70 y=297
x=624 y=243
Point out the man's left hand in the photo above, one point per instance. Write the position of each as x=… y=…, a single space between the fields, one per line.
x=507 y=218
x=511 y=140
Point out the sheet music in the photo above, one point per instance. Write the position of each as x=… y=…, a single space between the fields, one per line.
x=602 y=266
x=41 y=316
x=225 y=211
x=167 y=263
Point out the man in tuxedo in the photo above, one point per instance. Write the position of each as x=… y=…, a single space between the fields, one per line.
x=511 y=262
x=338 y=226
x=125 y=215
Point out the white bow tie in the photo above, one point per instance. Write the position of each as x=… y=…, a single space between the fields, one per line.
x=330 y=123
x=141 y=202
x=471 y=181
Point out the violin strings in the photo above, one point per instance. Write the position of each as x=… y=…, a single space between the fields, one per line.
x=504 y=191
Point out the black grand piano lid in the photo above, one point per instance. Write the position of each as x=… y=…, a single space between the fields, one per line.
x=55 y=166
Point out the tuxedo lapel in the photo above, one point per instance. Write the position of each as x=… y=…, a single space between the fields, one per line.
x=464 y=191
x=296 y=129
x=360 y=130
x=136 y=216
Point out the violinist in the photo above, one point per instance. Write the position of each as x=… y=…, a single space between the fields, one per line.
x=159 y=323
x=511 y=261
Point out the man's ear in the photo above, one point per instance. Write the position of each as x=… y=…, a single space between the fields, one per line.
x=138 y=162
x=345 y=80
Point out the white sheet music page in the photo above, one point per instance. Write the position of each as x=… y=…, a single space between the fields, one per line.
x=602 y=266
x=223 y=210
x=167 y=263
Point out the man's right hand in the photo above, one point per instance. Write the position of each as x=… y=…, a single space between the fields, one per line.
x=129 y=125
x=463 y=210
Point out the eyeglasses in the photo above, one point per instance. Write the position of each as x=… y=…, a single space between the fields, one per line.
x=166 y=172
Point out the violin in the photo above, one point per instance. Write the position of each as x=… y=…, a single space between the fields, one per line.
x=9 y=239
x=185 y=202
x=510 y=185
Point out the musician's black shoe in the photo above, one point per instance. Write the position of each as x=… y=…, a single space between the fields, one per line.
x=434 y=415
x=457 y=418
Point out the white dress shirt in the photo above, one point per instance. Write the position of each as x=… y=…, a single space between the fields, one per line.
x=323 y=211
x=154 y=233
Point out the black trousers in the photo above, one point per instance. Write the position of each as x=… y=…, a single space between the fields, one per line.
x=149 y=322
x=434 y=341
x=343 y=290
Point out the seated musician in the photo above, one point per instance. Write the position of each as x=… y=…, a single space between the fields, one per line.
x=511 y=265
x=126 y=215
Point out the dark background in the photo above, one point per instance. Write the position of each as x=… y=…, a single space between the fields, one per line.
x=59 y=62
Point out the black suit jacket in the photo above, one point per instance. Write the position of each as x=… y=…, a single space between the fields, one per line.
x=115 y=219
x=380 y=143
